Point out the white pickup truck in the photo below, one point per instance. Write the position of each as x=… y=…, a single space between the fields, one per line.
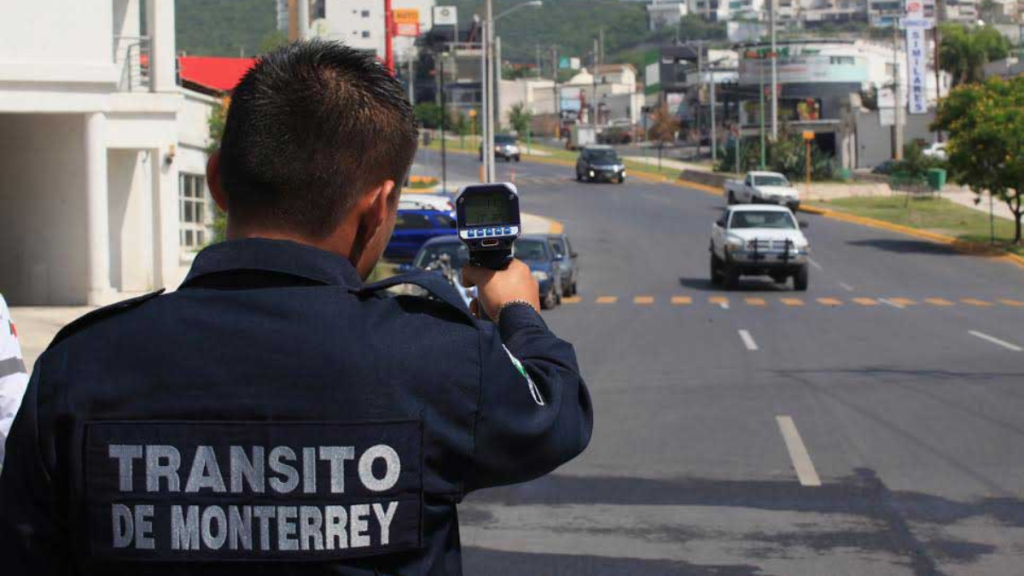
x=758 y=240
x=762 y=188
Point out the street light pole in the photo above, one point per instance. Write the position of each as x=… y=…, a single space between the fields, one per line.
x=714 y=128
x=490 y=93
x=760 y=66
x=772 y=9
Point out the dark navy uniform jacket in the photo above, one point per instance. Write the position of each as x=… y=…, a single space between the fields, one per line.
x=276 y=415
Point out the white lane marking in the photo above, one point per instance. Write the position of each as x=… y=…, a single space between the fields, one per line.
x=995 y=340
x=815 y=264
x=748 y=340
x=805 y=471
x=893 y=304
x=846 y=286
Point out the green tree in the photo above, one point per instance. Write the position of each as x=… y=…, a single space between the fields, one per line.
x=985 y=123
x=428 y=114
x=519 y=117
x=964 y=51
x=273 y=41
x=215 y=130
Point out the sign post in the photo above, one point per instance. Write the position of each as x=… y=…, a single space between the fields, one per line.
x=808 y=138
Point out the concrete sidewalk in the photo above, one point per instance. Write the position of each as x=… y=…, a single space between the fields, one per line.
x=668 y=163
x=965 y=197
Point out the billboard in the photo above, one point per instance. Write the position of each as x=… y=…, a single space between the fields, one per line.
x=446 y=16
x=405 y=16
x=804 y=67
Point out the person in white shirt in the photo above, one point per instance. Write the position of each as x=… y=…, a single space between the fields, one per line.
x=13 y=376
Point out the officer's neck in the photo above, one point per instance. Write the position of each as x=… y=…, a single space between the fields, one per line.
x=338 y=242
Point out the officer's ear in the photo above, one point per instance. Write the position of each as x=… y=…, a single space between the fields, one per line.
x=213 y=181
x=377 y=205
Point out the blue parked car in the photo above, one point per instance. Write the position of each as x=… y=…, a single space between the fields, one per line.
x=413 y=228
x=538 y=255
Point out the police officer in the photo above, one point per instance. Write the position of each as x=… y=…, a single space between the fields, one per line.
x=276 y=414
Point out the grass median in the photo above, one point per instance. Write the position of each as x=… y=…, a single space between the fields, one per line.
x=937 y=215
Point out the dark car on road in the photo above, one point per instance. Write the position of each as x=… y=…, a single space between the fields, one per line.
x=566 y=261
x=538 y=255
x=413 y=228
x=505 y=147
x=600 y=163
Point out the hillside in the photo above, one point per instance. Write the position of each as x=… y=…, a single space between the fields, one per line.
x=224 y=27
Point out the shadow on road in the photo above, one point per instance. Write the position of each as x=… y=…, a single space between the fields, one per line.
x=501 y=563
x=901 y=246
x=862 y=493
x=747 y=284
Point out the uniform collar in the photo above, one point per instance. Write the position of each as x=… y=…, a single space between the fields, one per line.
x=280 y=256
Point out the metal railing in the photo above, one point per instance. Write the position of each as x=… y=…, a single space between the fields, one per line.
x=131 y=56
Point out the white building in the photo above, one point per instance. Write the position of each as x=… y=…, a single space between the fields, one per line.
x=360 y=23
x=665 y=13
x=102 y=158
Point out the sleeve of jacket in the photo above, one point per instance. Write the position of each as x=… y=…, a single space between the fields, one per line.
x=534 y=412
x=33 y=535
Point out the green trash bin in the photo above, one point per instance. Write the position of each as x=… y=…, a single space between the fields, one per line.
x=936 y=178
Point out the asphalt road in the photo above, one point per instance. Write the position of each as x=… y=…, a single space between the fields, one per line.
x=896 y=382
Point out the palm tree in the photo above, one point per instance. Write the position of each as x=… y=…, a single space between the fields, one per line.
x=964 y=52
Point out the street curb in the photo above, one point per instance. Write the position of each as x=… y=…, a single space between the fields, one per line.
x=554 y=226
x=968 y=248
x=712 y=190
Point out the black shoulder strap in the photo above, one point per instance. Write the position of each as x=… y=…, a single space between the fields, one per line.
x=433 y=283
x=101 y=314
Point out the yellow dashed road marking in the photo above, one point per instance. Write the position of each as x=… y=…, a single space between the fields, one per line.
x=1008 y=302
x=902 y=301
x=643 y=300
x=756 y=302
x=607 y=299
x=975 y=302
x=571 y=300
x=938 y=302
x=719 y=300
x=866 y=301
x=681 y=300
x=830 y=301
x=792 y=301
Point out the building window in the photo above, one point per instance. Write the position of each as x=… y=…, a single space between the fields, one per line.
x=366 y=13
x=366 y=33
x=194 y=211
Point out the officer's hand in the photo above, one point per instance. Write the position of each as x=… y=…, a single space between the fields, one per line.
x=495 y=288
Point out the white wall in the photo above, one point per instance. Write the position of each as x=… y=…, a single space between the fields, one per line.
x=347 y=23
x=43 y=259
x=57 y=40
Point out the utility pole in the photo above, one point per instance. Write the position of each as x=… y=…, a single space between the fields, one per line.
x=760 y=67
x=714 y=129
x=700 y=88
x=389 y=49
x=593 y=99
x=897 y=92
x=538 y=62
x=490 y=92
x=304 y=19
x=485 y=150
x=444 y=147
x=772 y=10
x=556 y=102
x=412 y=78
x=496 y=82
x=601 y=37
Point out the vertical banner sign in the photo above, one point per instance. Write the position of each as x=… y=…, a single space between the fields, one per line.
x=917 y=70
x=916 y=21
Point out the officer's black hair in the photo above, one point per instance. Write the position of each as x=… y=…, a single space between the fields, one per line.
x=311 y=127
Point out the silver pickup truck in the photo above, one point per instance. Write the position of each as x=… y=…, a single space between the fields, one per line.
x=762 y=188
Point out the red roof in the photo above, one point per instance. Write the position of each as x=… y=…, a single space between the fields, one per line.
x=221 y=74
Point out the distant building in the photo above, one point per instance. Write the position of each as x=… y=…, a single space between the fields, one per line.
x=825 y=12
x=665 y=13
x=360 y=24
x=103 y=153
